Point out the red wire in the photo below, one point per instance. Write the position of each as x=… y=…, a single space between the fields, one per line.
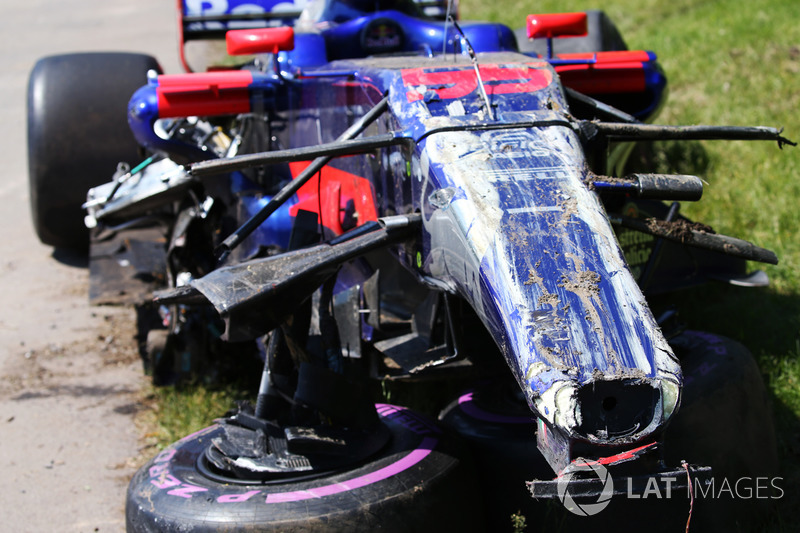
x=691 y=494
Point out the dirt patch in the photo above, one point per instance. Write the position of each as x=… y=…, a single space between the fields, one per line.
x=591 y=179
x=67 y=411
x=585 y=283
x=38 y=367
x=680 y=230
x=548 y=299
x=533 y=278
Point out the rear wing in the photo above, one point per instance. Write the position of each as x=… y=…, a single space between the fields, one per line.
x=200 y=20
x=204 y=20
x=209 y=20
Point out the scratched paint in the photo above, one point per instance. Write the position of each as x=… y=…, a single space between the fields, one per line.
x=520 y=220
x=511 y=227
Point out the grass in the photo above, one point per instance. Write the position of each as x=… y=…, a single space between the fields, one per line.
x=179 y=411
x=728 y=63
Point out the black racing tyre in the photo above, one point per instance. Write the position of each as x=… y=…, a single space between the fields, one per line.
x=77 y=133
x=602 y=36
x=500 y=429
x=418 y=482
x=725 y=422
x=501 y=432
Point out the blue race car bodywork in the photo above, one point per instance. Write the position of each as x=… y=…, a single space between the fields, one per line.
x=454 y=191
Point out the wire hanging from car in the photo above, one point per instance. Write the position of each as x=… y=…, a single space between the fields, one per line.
x=685 y=466
x=474 y=58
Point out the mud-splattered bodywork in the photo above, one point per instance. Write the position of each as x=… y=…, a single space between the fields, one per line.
x=373 y=197
x=496 y=165
x=511 y=227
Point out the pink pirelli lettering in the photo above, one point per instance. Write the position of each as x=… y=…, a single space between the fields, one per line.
x=384 y=409
x=185 y=491
x=425 y=447
x=157 y=470
x=165 y=481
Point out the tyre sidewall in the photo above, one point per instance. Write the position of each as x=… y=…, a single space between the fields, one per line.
x=418 y=483
x=77 y=134
x=725 y=422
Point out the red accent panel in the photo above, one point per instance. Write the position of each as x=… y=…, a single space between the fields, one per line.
x=614 y=459
x=625 y=456
x=557 y=25
x=337 y=189
x=238 y=78
x=211 y=93
x=621 y=56
x=451 y=84
x=259 y=41
x=614 y=72
x=606 y=79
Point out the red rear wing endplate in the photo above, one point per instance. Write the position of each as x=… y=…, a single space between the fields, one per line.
x=611 y=72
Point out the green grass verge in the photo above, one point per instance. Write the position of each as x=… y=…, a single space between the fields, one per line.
x=179 y=411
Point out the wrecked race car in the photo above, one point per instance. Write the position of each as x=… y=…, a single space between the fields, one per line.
x=376 y=195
